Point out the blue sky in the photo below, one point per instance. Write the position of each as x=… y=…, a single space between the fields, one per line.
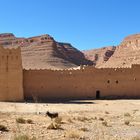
x=85 y=24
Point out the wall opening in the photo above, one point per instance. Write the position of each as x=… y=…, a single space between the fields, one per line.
x=98 y=94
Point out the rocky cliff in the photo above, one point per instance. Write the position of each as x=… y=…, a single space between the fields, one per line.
x=126 y=54
x=100 y=56
x=43 y=52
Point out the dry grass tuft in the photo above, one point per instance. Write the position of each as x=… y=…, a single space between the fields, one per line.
x=127 y=114
x=84 y=129
x=24 y=137
x=126 y=122
x=104 y=123
x=21 y=120
x=54 y=126
x=74 y=134
x=101 y=119
x=83 y=119
x=29 y=121
x=135 y=110
x=106 y=112
x=69 y=120
x=3 y=128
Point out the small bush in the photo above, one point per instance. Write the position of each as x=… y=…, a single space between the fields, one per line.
x=127 y=114
x=74 y=135
x=106 y=112
x=21 y=137
x=21 y=120
x=127 y=122
x=29 y=121
x=135 y=110
x=83 y=119
x=104 y=123
x=101 y=119
x=69 y=120
x=3 y=128
x=95 y=118
x=54 y=126
x=24 y=137
x=84 y=129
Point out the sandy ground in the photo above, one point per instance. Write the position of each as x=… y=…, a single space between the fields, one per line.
x=85 y=120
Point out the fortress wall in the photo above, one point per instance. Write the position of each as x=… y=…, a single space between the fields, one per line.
x=11 y=75
x=85 y=83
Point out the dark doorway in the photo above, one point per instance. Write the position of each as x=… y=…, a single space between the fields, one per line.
x=97 y=94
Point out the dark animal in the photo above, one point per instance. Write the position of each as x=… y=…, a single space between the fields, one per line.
x=52 y=115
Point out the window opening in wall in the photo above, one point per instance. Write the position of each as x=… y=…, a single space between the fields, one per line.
x=97 y=94
x=108 y=81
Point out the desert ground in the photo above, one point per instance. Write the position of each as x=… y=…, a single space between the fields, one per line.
x=84 y=120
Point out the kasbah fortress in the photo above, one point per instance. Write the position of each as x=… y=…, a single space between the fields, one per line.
x=19 y=84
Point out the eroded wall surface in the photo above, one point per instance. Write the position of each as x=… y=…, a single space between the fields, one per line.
x=11 y=75
x=84 y=83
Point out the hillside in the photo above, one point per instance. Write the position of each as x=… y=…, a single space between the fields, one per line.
x=100 y=56
x=126 y=54
x=43 y=52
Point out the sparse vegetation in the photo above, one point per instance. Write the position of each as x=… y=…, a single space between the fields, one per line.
x=74 y=124
x=106 y=112
x=127 y=114
x=135 y=110
x=69 y=120
x=83 y=119
x=29 y=121
x=84 y=129
x=3 y=128
x=104 y=123
x=101 y=119
x=21 y=120
x=95 y=118
x=54 y=126
x=74 y=134
x=23 y=137
x=126 y=122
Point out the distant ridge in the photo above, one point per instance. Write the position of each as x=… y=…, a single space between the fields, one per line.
x=43 y=52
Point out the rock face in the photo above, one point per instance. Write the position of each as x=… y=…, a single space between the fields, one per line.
x=43 y=52
x=126 y=54
x=100 y=56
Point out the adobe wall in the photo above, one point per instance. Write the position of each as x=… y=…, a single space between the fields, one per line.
x=83 y=83
x=11 y=75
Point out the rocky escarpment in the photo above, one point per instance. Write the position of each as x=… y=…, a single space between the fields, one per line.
x=100 y=56
x=43 y=52
x=126 y=54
